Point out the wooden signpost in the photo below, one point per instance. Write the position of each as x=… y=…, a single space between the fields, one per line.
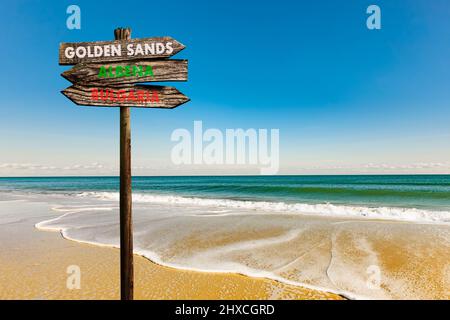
x=104 y=75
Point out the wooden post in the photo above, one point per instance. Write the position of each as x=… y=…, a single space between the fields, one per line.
x=85 y=91
x=126 y=225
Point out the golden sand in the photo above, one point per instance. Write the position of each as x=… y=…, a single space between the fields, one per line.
x=36 y=268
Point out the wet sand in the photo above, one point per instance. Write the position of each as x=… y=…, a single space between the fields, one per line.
x=33 y=265
x=413 y=260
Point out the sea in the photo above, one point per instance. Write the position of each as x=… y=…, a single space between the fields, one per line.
x=287 y=228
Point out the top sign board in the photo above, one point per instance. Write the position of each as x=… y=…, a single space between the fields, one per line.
x=118 y=50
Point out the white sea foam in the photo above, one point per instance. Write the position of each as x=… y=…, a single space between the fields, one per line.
x=325 y=209
x=217 y=235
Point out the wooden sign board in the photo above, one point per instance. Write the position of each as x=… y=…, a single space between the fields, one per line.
x=104 y=75
x=118 y=50
x=143 y=96
x=99 y=74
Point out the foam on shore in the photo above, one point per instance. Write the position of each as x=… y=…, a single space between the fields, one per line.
x=332 y=254
x=326 y=209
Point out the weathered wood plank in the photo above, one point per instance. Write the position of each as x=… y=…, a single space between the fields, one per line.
x=118 y=50
x=126 y=221
x=161 y=70
x=143 y=96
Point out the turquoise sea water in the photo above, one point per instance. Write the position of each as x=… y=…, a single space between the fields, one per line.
x=406 y=191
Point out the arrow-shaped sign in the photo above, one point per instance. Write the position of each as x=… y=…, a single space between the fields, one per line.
x=118 y=50
x=126 y=73
x=143 y=96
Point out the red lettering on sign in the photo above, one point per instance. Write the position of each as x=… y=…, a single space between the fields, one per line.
x=122 y=95
x=155 y=97
x=94 y=94
x=139 y=96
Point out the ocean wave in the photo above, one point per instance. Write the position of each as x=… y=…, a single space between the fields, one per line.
x=322 y=209
x=431 y=191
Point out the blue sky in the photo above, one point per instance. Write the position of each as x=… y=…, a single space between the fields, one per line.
x=346 y=99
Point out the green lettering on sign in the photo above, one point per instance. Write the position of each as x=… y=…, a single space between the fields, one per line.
x=126 y=71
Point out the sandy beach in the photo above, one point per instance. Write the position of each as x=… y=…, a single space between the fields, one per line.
x=204 y=252
x=36 y=268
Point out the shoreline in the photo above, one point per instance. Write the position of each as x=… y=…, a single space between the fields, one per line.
x=327 y=210
x=338 y=249
x=186 y=269
x=36 y=268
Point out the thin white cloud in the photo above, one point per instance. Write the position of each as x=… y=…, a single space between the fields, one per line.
x=26 y=166
x=40 y=167
x=419 y=165
x=92 y=166
x=416 y=167
x=97 y=168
